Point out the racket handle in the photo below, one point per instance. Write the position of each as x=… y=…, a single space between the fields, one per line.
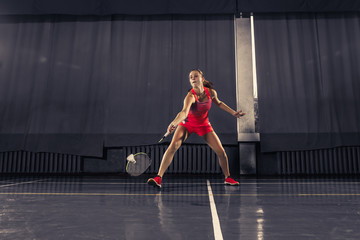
x=165 y=135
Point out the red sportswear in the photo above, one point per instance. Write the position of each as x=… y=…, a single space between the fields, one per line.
x=197 y=120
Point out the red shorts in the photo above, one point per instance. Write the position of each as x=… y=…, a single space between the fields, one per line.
x=199 y=130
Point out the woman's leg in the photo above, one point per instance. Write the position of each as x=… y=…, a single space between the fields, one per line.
x=179 y=137
x=214 y=142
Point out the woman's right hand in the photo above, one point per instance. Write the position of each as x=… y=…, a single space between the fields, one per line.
x=171 y=128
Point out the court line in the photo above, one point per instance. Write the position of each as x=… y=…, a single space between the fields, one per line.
x=201 y=183
x=215 y=218
x=214 y=179
x=13 y=184
x=181 y=194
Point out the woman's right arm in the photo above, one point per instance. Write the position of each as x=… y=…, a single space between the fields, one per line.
x=189 y=99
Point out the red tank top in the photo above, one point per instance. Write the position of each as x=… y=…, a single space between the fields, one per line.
x=198 y=114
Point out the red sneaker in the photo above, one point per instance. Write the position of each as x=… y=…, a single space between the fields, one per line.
x=230 y=181
x=156 y=181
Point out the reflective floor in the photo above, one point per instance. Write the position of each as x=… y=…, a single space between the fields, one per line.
x=120 y=207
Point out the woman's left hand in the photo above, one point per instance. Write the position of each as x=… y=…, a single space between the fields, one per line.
x=239 y=114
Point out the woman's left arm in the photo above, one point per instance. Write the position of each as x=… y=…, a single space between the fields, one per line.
x=223 y=106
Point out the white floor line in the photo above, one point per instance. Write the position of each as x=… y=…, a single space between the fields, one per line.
x=215 y=217
x=117 y=183
x=197 y=183
x=13 y=184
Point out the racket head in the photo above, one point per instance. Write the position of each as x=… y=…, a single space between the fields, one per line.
x=137 y=163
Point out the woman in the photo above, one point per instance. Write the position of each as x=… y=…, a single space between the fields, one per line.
x=193 y=118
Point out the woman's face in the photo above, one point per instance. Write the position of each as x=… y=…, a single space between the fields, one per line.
x=195 y=79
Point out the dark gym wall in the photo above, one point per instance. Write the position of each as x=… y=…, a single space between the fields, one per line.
x=52 y=31
x=76 y=84
x=308 y=80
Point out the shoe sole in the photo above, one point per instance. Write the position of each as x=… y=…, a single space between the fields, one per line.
x=153 y=183
x=232 y=184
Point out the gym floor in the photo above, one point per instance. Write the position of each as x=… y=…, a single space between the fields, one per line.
x=187 y=207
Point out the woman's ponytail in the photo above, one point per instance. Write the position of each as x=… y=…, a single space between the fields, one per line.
x=208 y=84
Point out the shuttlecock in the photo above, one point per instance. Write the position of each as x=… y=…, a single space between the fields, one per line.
x=131 y=158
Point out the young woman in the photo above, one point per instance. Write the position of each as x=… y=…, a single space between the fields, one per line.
x=193 y=118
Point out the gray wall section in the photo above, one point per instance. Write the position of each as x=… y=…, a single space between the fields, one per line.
x=247 y=154
x=112 y=162
x=267 y=164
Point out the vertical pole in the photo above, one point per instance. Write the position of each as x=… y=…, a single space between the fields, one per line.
x=245 y=92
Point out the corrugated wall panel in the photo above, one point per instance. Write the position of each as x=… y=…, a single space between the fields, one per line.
x=342 y=160
x=197 y=159
x=28 y=162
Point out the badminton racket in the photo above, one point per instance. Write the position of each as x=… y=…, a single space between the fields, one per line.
x=137 y=163
x=165 y=135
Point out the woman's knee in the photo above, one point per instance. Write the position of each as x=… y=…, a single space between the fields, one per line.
x=221 y=153
x=174 y=146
